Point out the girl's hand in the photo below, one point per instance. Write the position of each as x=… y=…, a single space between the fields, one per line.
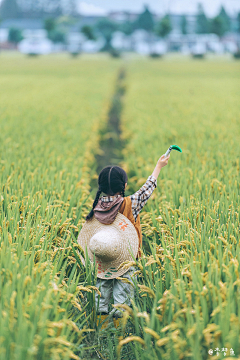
x=163 y=161
x=160 y=164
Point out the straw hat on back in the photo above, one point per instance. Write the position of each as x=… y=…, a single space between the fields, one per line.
x=112 y=244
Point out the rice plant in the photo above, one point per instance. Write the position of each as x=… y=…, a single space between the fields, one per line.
x=188 y=297
x=49 y=106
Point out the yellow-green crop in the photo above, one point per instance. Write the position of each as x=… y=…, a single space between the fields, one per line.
x=50 y=112
x=189 y=290
x=53 y=111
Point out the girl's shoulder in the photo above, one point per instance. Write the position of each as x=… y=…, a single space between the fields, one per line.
x=126 y=202
x=126 y=208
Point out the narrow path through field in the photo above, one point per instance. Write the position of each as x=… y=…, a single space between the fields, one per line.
x=111 y=144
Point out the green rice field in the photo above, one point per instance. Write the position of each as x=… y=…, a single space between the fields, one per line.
x=53 y=117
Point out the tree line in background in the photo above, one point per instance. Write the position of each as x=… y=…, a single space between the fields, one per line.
x=59 y=16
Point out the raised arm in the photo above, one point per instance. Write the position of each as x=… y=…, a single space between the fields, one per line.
x=140 y=197
x=162 y=161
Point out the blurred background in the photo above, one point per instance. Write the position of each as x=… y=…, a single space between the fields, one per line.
x=150 y=28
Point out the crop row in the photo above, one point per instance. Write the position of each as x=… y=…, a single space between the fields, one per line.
x=188 y=296
x=50 y=118
x=187 y=290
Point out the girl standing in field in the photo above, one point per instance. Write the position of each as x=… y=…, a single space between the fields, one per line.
x=112 y=233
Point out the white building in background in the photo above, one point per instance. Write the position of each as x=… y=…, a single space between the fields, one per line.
x=157 y=47
x=145 y=44
x=199 y=48
x=74 y=42
x=35 y=47
x=140 y=36
x=185 y=49
x=121 y=16
x=77 y=42
x=121 y=41
x=215 y=47
x=35 y=42
x=192 y=43
x=140 y=40
x=3 y=35
x=231 y=43
x=231 y=47
x=142 y=47
x=91 y=46
x=160 y=47
x=34 y=34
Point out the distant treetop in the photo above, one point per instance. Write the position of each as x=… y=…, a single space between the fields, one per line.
x=202 y=22
x=164 y=27
x=145 y=21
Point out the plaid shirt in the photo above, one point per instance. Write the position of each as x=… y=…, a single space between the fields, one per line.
x=140 y=197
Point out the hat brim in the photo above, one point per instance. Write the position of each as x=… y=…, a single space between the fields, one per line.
x=129 y=244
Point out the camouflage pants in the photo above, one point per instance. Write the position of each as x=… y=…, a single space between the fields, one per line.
x=122 y=293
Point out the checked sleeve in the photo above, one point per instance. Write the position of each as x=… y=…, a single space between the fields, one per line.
x=140 y=197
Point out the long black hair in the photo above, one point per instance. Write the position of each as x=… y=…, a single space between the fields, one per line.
x=111 y=180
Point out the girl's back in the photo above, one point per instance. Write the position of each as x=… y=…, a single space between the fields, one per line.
x=112 y=181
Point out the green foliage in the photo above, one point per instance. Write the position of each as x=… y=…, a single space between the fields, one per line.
x=115 y=53
x=65 y=21
x=237 y=55
x=9 y=9
x=88 y=32
x=164 y=27
x=75 y=54
x=15 y=35
x=145 y=21
x=57 y=36
x=238 y=22
x=225 y=18
x=106 y=28
x=127 y=28
x=202 y=24
x=198 y=56
x=49 y=24
x=155 y=55
x=63 y=25
x=221 y=23
x=57 y=29
x=184 y=25
x=218 y=26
